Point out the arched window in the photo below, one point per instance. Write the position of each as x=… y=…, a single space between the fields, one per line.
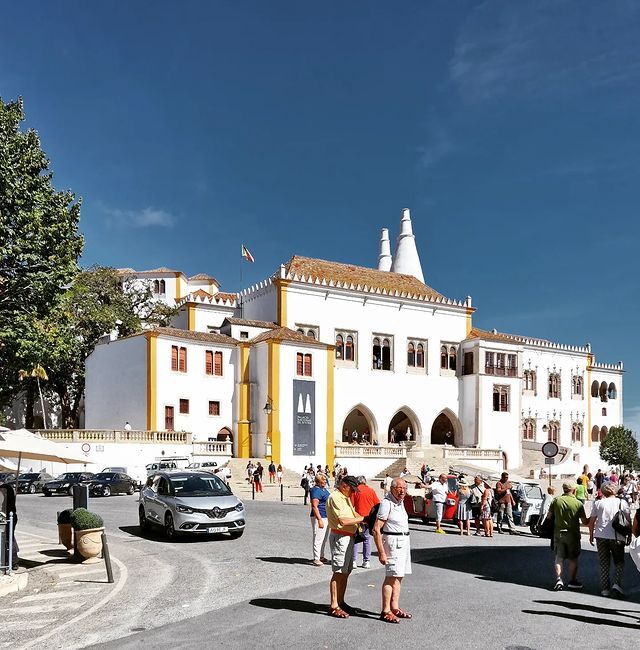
x=554 y=428
x=554 y=385
x=603 y=433
x=576 y=386
x=529 y=380
x=339 y=347
x=444 y=364
x=411 y=355
x=612 y=393
x=156 y=287
x=348 y=350
x=217 y=364
x=576 y=433
x=420 y=356
x=307 y=365
x=386 y=354
x=594 y=389
x=603 y=391
x=163 y=287
x=311 y=333
x=299 y=364
x=377 y=354
x=595 y=433
x=300 y=330
x=528 y=429
x=453 y=358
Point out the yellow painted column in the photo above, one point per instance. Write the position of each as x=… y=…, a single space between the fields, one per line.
x=587 y=392
x=329 y=442
x=273 y=427
x=469 y=320
x=191 y=318
x=178 y=287
x=244 y=424
x=152 y=376
x=282 y=302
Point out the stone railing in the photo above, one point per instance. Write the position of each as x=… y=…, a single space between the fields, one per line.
x=212 y=448
x=110 y=435
x=471 y=452
x=369 y=451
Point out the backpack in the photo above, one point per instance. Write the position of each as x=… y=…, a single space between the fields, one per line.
x=621 y=523
x=370 y=519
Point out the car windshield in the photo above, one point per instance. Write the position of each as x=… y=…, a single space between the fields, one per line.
x=67 y=477
x=198 y=486
x=533 y=491
x=104 y=476
x=29 y=477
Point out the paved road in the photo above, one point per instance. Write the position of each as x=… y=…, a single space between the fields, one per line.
x=260 y=591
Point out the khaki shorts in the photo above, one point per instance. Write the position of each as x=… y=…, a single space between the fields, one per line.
x=398 y=550
x=341 y=552
x=566 y=546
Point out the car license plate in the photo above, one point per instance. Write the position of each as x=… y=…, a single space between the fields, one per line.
x=218 y=529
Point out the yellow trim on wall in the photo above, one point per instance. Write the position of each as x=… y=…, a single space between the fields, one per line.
x=178 y=290
x=152 y=411
x=244 y=425
x=211 y=287
x=587 y=391
x=282 y=301
x=273 y=425
x=469 y=320
x=329 y=442
x=191 y=318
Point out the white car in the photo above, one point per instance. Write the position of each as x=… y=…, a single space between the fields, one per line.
x=529 y=503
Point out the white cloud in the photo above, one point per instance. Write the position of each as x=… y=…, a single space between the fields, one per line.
x=145 y=218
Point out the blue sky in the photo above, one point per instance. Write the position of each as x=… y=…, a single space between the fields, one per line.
x=511 y=129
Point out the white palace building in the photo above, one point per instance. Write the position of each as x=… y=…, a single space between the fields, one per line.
x=290 y=368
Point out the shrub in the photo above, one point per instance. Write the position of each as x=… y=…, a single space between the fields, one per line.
x=64 y=517
x=83 y=519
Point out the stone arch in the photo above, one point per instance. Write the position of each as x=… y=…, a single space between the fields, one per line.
x=403 y=418
x=595 y=387
x=446 y=428
x=359 y=419
x=612 y=392
x=603 y=391
x=224 y=433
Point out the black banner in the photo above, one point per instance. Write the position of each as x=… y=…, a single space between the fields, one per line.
x=304 y=418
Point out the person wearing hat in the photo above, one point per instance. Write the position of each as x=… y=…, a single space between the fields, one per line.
x=343 y=522
x=464 y=506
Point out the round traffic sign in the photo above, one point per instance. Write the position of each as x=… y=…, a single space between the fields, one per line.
x=86 y=447
x=550 y=449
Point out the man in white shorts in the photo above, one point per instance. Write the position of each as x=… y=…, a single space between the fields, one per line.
x=391 y=535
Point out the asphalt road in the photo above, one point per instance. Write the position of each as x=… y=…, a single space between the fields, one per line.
x=261 y=591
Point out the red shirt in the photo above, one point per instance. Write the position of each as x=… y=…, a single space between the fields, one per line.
x=364 y=499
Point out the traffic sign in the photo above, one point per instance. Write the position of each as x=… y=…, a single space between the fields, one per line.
x=549 y=461
x=550 y=449
x=86 y=447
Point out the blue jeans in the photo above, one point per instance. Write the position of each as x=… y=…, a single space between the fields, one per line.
x=366 y=545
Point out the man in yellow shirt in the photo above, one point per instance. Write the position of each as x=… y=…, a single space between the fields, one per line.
x=343 y=522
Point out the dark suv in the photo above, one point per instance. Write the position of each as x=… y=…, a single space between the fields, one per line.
x=64 y=483
x=33 y=482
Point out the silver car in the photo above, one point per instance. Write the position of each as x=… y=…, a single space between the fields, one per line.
x=190 y=501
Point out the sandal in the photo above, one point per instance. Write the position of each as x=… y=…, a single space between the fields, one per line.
x=317 y=563
x=401 y=613
x=336 y=612
x=389 y=617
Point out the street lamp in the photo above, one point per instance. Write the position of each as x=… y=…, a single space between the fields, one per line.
x=268 y=408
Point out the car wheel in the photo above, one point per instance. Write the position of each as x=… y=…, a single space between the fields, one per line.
x=47 y=494
x=70 y=491
x=32 y=489
x=533 y=526
x=142 y=519
x=169 y=529
x=131 y=490
x=234 y=534
x=106 y=491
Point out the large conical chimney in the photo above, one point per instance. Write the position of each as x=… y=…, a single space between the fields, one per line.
x=406 y=259
x=384 y=259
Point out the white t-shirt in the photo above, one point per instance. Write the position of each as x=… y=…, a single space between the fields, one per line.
x=397 y=520
x=439 y=491
x=603 y=512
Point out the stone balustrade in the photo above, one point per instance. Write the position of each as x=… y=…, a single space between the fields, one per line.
x=370 y=451
x=212 y=448
x=110 y=435
x=471 y=452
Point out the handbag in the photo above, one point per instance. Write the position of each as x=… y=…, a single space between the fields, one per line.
x=359 y=534
x=621 y=523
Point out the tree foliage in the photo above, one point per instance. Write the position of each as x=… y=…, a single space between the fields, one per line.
x=39 y=248
x=619 y=448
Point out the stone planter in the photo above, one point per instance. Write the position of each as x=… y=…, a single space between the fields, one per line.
x=89 y=544
x=65 y=536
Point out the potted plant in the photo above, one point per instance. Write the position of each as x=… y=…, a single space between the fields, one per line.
x=88 y=527
x=65 y=536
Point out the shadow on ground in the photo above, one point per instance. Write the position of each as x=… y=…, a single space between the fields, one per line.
x=304 y=606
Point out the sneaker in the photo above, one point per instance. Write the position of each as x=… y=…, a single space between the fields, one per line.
x=440 y=531
x=605 y=592
x=574 y=584
x=366 y=564
x=559 y=586
x=617 y=591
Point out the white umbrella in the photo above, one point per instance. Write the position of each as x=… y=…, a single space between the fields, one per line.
x=25 y=444
x=7 y=465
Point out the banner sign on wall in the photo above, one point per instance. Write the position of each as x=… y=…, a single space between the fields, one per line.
x=304 y=418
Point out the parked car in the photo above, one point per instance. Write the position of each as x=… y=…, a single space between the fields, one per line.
x=419 y=505
x=136 y=472
x=529 y=506
x=105 y=484
x=190 y=501
x=207 y=464
x=64 y=483
x=32 y=482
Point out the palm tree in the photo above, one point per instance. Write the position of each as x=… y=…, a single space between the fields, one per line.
x=38 y=372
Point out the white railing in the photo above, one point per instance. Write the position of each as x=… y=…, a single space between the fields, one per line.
x=369 y=451
x=471 y=452
x=111 y=435
x=213 y=448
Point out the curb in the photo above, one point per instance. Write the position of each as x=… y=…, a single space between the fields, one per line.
x=15 y=582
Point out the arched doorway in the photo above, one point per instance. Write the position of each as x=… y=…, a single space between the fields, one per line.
x=446 y=430
x=361 y=420
x=405 y=427
x=225 y=435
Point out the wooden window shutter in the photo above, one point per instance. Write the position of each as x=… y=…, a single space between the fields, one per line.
x=218 y=363
x=208 y=360
x=174 y=358
x=299 y=364
x=182 y=360
x=307 y=365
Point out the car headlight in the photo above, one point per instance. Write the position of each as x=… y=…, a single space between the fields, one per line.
x=65 y=485
x=240 y=507
x=184 y=509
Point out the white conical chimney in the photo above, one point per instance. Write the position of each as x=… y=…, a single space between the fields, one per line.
x=384 y=259
x=406 y=259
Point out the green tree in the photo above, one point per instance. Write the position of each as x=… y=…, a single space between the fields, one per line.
x=39 y=248
x=619 y=448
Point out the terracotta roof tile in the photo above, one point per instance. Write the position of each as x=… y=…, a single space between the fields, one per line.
x=494 y=335
x=286 y=334
x=205 y=337
x=251 y=323
x=204 y=276
x=368 y=279
x=162 y=269
x=201 y=293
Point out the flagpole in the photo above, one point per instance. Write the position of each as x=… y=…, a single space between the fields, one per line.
x=240 y=297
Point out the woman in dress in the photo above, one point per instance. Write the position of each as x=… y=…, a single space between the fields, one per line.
x=486 y=514
x=464 y=507
x=279 y=473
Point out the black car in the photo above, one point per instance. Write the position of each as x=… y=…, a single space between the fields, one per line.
x=32 y=482
x=64 y=483
x=107 y=483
